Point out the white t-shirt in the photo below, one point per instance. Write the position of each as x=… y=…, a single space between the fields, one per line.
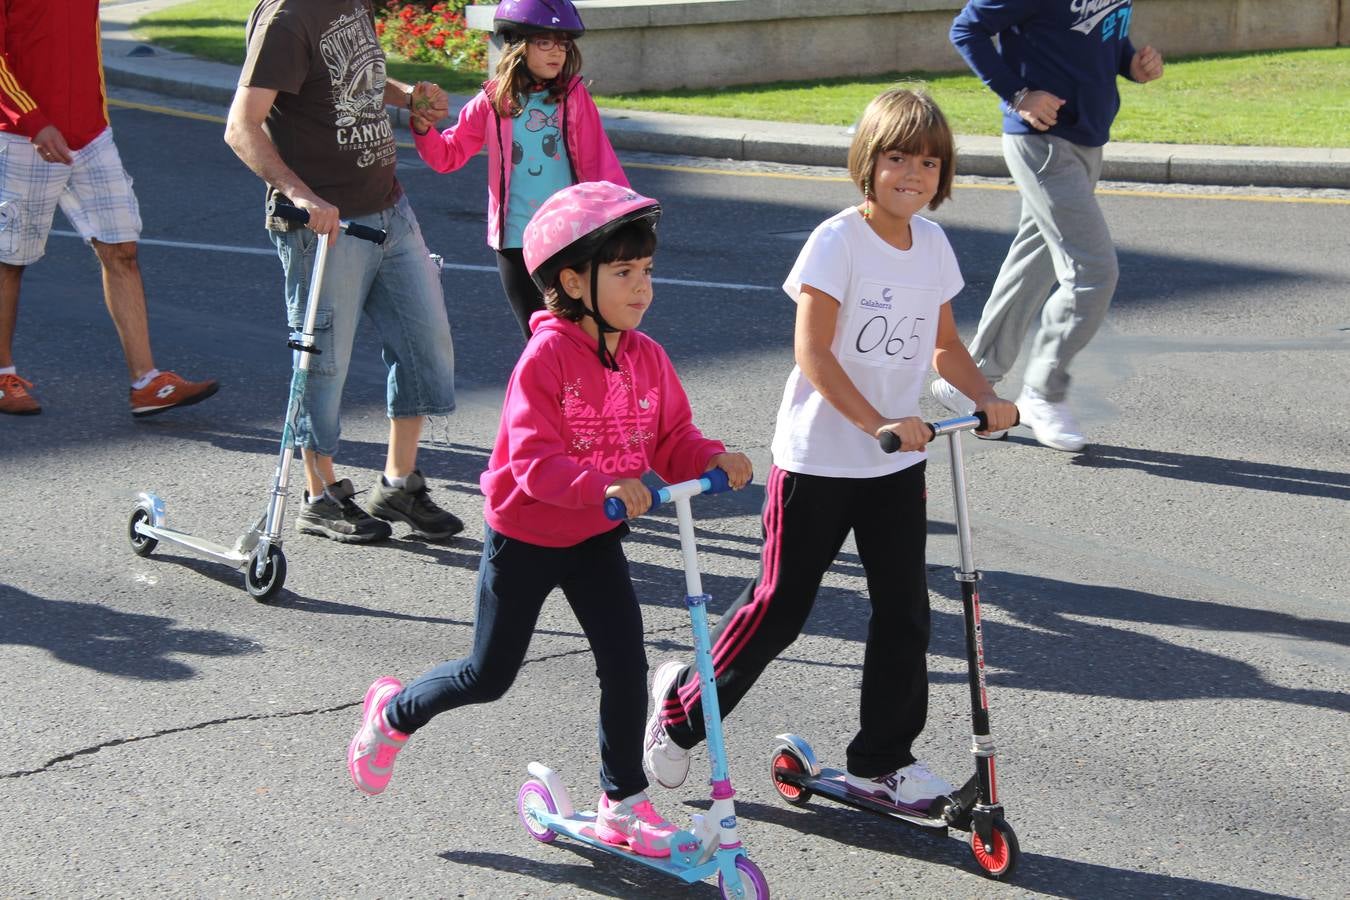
x=889 y=301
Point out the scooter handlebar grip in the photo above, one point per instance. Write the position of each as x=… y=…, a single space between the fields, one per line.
x=364 y=232
x=288 y=212
x=616 y=511
x=717 y=481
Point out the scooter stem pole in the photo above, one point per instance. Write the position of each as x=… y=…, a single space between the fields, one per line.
x=959 y=502
x=723 y=809
x=983 y=743
x=276 y=505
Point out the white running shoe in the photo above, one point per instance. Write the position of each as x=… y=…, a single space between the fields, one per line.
x=1052 y=422
x=959 y=403
x=666 y=761
x=913 y=787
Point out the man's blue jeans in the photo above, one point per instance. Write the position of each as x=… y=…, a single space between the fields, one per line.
x=397 y=286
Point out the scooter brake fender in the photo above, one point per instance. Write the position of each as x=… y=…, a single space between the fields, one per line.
x=799 y=748
x=556 y=789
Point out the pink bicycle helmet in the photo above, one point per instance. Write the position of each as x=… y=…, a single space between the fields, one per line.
x=569 y=229
x=571 y=226
x=522 y=17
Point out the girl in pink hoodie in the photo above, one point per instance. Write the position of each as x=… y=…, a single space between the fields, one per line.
x=537 y=114
x=591 y=406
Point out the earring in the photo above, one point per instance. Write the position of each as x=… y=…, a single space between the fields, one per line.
x=867 y=198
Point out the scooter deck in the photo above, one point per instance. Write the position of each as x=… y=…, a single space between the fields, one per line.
x=831 y=783
x=681 y=863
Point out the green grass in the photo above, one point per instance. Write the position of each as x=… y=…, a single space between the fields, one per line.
x=214 y=29
x=1289 y=98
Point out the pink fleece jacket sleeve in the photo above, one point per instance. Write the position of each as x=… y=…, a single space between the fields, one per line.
x=682 y=452
x=538 y=456
x=592 y=153
x=448 y=150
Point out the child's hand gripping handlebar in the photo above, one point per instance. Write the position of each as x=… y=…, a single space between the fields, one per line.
x=301 y=217
x=976 y=421
x=714 y=481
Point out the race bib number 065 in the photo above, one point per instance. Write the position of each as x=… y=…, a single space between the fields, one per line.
x=892 y=326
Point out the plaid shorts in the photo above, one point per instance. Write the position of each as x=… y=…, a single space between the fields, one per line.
x=94 y=192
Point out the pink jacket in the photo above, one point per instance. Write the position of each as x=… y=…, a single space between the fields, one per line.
x=571 y=427
x=588 y=149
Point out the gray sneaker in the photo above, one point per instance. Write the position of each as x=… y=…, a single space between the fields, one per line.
x=334 y=514
x=412 y=504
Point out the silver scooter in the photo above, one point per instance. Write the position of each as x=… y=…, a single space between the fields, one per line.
x=258 y=550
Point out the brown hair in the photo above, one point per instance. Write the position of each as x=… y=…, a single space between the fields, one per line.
x=508 y=87
x=905 y=120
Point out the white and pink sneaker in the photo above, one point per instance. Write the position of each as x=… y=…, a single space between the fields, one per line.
x=635 y=823
x=370 y=755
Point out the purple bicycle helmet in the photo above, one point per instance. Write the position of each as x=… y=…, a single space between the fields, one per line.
x=522 y=17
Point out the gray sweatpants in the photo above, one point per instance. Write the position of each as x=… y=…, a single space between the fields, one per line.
x=1062 y=245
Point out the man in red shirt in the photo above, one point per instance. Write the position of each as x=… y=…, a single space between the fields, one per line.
x=56 y=149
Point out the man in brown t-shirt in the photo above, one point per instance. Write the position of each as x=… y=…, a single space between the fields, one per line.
x=309 y=119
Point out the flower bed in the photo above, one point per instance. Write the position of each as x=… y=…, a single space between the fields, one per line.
x=432 y=33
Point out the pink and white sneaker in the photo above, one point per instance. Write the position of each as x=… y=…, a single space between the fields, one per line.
x=370 y=755
x=634 y=823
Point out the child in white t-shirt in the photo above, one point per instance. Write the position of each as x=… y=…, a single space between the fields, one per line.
x=872 y=287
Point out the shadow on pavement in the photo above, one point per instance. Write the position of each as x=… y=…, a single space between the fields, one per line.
x=1213 y=470
x=1061 y=643
x=91 y=635
x=603 y=873
x=1048 y=875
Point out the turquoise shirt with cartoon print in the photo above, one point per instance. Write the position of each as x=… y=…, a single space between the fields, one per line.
x=539 y=165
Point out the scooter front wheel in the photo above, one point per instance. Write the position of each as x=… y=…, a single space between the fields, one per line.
x=999 y=858
x=262 y=586
x=535 y=796
x=792 y=793
x=140 y=544
x=753 y=884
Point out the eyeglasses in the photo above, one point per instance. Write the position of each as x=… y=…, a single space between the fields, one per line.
x=548 y=43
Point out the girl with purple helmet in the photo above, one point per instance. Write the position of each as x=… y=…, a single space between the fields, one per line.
x=541 y=128
x=578 y=426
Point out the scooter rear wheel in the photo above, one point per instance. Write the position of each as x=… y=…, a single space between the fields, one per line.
x=534 y=795
x=1000 y=858
x=792 y=793
x=752 y=880
x=140 y=544
x=262 y=587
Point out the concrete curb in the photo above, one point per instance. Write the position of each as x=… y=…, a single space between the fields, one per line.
x=130 y=63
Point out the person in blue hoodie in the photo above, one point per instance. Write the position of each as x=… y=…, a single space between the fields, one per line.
x=1054 y=68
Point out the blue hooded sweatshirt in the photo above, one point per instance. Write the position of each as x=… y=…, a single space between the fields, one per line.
x=1072 y=48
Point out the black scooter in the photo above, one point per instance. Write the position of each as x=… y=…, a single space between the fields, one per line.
x=797 y=774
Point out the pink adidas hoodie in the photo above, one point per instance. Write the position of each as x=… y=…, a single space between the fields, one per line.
x=570 y=428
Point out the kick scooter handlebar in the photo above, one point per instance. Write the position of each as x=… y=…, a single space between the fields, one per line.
x=890 y=441
x=300 y=217
x=714 y=481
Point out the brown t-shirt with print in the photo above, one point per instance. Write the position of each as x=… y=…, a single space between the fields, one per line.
x=328 y=122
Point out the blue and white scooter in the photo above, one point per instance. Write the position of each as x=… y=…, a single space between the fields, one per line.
x=258 y=550
x=975 y=807
x=711 y=845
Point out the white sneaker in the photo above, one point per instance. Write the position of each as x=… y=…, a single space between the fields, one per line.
x=959 y=403
x=913 y=787
x=666 y=761
x=1052 y=423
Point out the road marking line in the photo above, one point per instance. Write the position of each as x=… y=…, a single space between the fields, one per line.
x=464 y=267
x=789 y=176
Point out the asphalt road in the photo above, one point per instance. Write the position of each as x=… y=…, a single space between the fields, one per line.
x=1165 y=620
